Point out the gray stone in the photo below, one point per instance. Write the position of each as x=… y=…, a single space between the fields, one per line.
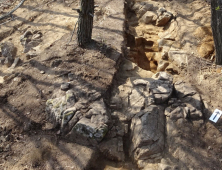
x=148 y=17
x=85 y=131
x=56 y=107
x=71 y=76
x=136 y=100
x=113 y=149
x=8 y=50
x=147 y=133
x=65 y=86
x=27 y=34
x=184 y=89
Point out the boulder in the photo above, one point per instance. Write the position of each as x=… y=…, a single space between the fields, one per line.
x=147 y=133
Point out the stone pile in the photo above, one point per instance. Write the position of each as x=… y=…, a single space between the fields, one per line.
x=138 y=111
x=29 y=40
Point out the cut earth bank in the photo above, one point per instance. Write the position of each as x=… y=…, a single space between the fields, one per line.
x=63 y=101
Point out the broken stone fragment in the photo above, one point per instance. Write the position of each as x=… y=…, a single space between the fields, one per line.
x=85 y=131
x=164 y=18
x=8 y=50
x=148 y=17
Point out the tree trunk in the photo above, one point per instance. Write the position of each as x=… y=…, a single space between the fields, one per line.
x=85 y=22
x=216 y=24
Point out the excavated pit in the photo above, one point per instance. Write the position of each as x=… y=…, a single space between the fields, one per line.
x=144 y=46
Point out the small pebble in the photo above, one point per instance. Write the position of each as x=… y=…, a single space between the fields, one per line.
x=65 y=86
x=42 y=72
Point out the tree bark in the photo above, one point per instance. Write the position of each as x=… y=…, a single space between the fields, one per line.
x=85 y=22
x=216 y=24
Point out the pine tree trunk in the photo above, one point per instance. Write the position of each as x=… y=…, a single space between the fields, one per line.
x=85 y=22
x=216 y=24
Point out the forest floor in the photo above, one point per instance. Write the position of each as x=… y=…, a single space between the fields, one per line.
x=27 y=140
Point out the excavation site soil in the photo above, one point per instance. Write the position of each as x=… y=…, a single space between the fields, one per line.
x=138 y=96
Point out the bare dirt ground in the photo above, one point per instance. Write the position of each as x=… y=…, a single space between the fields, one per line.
x=26 y=139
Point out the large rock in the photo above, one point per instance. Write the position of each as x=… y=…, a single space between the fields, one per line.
x=86 y=132
x=147 y=133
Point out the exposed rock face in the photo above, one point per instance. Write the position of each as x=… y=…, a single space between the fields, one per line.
x=87 y=127
x=147 y=133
